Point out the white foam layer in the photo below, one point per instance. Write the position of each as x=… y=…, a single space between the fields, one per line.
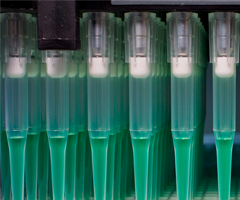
x=224 y=67
x=56 y=67
x=139 y=68
x=16 y=67
x=73 y=69
x=181 y=67
x=98 y=68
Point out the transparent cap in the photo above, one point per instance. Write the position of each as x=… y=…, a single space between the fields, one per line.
x=98 y=36
x=140 y=36
x=224 y=36
x=182 y=29
x=17 y=31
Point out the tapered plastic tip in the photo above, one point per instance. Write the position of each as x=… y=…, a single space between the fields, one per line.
x=31 y=165
x=110 y=167
x=80 y=165
x=140 y=154
x=182 y=159
x=43 y=166
x=17 y=158
x=224 y=165
x=70 y=166
x=58 y=158
x=99 y=162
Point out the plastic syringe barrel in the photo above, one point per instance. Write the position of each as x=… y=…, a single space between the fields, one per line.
x=34 y=83
x=140 y=49
x=224 y=54
x=98 y=27
x=57 y=93
x=17 y=54
x=181 y=28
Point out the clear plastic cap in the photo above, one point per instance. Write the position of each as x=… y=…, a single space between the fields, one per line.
x=140 y=42
x=98 y=33
x=140 y=35
x=224 y=37
x=182 y=29
x=17 y=40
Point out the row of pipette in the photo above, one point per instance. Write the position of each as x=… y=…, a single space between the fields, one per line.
x=187 y=40
x=116 y=88
x=46 y=96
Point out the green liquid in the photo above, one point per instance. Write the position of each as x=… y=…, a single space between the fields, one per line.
x=183 y=159
x=110 y=166
x=117 y=171
x=224 y=165
x=50 y=190
x=70 y=173
x=43 y=165
x=80 y=165
x=31 y=165
x=99 y=162
x=5 y=167
x=88 y=178
x=155 y=167
x=130 y=187
x=58 y=155
x=140 y=151
x=123 y=183
x=150 y=167
x=17 y=157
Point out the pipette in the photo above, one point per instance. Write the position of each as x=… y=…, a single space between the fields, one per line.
x=74 y=61
x=119 y=110
x=98 y=29
x=5 y=162
x=140 y=48
x=114 y=122
x=181 y=42
x=17 y=51
x=224 y=54
x=34 y=114
x=57 y=101
x=43 y=147
x=82 y=121
x=186 y=55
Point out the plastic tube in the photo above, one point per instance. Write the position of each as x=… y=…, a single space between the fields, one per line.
x=119 y=110
x=181 y=27
x=82 y=121
x=224 y=54
x=140 y=48
x=34 y=114
x=16 y=95
x=4 y=153
x=98 y=28
x=57 y=101
x=73 y=125
x=43 y=147
x=114 y=117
